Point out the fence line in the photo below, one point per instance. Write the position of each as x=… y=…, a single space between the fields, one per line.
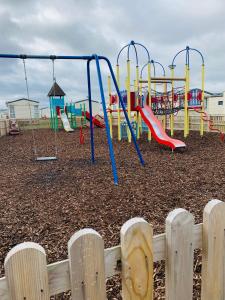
x=4 y=127
x=219 y=122
x=194 y=122
x=84 y=272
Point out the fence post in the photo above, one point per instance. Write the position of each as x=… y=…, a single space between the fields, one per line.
x=179 y=255
x=137 y=260
x=87 y=268
x=26 y=272
x=213 y=251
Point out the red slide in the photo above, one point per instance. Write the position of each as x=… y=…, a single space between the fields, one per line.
x=94 y=120
x=157 y=130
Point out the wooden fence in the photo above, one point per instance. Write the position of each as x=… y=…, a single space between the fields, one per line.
x=194 y=123
x=85 y=271
x=4 y=127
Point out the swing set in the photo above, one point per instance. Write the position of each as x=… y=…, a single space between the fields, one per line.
x=35 y=149
x=88 y=60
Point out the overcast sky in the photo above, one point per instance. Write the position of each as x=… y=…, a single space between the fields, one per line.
x=80 y=27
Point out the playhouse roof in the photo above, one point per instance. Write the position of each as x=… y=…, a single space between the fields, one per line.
x=56 y=91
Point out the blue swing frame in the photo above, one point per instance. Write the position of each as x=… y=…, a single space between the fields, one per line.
x=97 y=59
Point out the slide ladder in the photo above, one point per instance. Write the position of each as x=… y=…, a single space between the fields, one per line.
x=206 y=118
x=157 y=130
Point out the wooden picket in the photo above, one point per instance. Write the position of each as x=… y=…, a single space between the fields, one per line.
x=4 y=127
x=137 y=260
x=179 y=255
x=87 y=269
x=213 y=251
x=84 y=273
x=26 y=272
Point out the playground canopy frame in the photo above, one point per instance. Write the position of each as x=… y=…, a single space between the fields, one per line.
x=88 y=59
x=128 y=47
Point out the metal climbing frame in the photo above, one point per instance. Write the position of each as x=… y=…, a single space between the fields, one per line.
x=97 y=59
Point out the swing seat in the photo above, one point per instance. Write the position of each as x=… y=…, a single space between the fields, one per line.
x=45 y=158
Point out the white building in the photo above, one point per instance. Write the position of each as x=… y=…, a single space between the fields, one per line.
x=215 y=104
x=3 y=113
x=96 y=106
x=23 y=109
x=45 y=112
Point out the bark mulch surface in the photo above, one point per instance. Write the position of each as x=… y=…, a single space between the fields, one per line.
x=46 y=202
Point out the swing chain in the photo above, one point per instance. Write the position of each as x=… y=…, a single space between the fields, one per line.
x=54 y=82
x=28 y=98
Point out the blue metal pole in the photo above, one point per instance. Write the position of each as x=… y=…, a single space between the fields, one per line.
x=111 y=152
x=25 y=56
x=90 y=111
x=124 y=109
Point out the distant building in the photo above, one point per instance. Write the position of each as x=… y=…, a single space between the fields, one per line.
x=215 y=104
x=96 y=106
x=23 y=109
x=45 y=112
x=3 y=113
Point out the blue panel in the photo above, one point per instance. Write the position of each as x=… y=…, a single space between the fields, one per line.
x=57 y=102
x=75 y=111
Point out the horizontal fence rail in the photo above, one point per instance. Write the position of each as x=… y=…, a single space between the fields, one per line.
x=89 y=265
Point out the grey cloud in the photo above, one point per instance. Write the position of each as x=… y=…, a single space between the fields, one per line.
x=99 y=26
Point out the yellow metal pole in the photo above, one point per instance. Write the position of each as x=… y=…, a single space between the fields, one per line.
x=118 y=104
x=186 y=103
x=149 y=95
x=110 y=107
x=203 y=96
x=164 y=117
x=139 y=119
x=172 y=103
x=128 y=99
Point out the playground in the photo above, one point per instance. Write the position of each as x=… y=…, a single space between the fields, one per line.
x=97 y=171
x=47 y=202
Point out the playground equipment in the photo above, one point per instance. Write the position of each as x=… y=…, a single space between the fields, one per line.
x=88 y=59
x=68 y=113
x=95 y=120
x=169 y=101
x=57 y=108
x=206 y=118
x=71 y=116
x=76 y=116
x=191 y=99
x=157 y=129
x=37 y=158
x=141 y=101
x=13 y=128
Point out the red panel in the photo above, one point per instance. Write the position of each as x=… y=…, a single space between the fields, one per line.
x=113 y=99
x=132 y=101
x=94 y=120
